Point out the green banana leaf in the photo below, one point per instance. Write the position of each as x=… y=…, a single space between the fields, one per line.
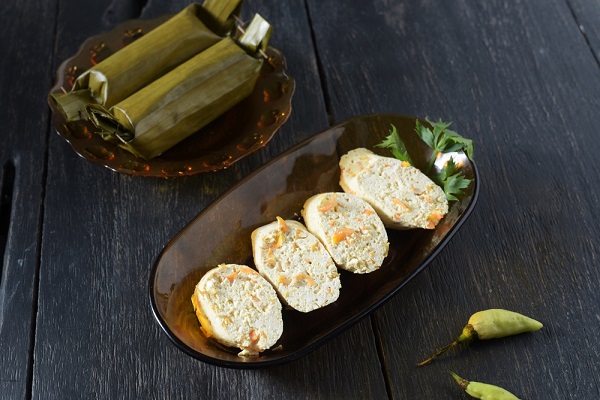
x=181 y=102
x=186 y=99
x=154 y=54
x=172 y=105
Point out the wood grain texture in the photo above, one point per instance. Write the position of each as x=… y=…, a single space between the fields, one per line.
x=519 y=79
x=96 y=336
x=26 y=67
x=587 y=14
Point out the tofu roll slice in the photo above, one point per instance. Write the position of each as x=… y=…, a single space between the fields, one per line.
x=350 y=230
x=402 y=195
x=238 y=308
x=297 y=265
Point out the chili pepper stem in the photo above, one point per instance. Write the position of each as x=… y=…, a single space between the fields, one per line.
x=467 y=335
x=480 y=390
x=463 y=383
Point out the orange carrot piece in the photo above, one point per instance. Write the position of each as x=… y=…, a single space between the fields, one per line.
x=341 y=235
x=329 y=205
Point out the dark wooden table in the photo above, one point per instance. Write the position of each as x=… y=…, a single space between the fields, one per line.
x=520 y=78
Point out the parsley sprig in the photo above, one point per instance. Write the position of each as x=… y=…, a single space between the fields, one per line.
x=396 y=145
x=441 y=140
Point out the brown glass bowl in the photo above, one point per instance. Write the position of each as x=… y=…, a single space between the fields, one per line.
x=243 y=129
x=221 y=234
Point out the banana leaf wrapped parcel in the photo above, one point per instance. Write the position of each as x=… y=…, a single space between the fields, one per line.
x=175 y=104
x=159 y=51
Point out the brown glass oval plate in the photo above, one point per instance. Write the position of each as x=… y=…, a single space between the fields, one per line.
x=221 y=234
x=245 y=128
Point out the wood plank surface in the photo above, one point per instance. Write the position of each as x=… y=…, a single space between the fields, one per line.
x=26 y=69
x=519 y=79
x=96 y=336
x=587 y=15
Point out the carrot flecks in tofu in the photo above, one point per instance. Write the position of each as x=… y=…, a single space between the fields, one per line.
x=329 y=204
x=433 y=219
x=283 y=280
x=341 y=234
x=247 y=270
x=300 y=252
x=346 y=231
x=282 y=225
x=231 y=277
x=276 y=243
x=234 y=300
x=303 y=277
x=270 y=259
x=400 y=203
x=254 y=336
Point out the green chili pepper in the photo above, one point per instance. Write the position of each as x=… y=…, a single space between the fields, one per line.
x=491 y=324
x=483 y=390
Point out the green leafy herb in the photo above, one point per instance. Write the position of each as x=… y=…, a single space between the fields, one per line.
x=441 y=140
x=451 y=180
x=396 y=145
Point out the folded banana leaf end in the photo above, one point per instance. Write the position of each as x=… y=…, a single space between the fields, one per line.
x=167 y=107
